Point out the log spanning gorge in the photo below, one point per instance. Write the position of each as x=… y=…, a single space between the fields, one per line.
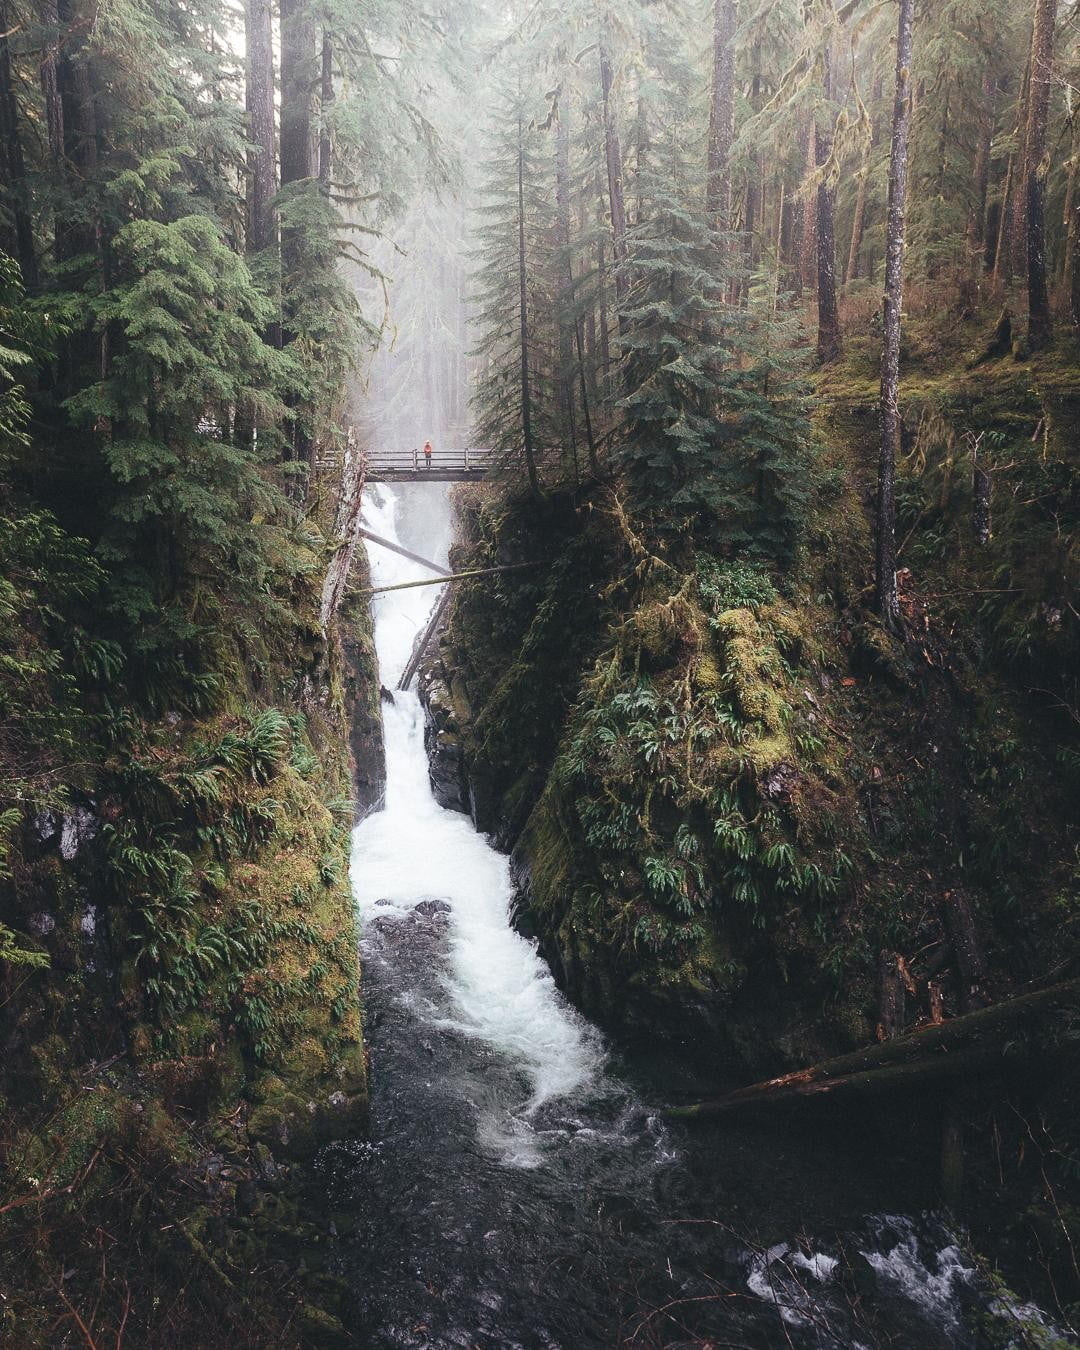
x=520 y=1186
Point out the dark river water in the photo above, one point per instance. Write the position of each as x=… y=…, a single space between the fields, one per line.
x=521 y=1188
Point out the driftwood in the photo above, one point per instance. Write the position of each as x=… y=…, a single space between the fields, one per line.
x=950 y=1050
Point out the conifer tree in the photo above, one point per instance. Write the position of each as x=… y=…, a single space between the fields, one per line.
x=515 y=405
x=1035 y=170
x=887 y=599
x=715 y=436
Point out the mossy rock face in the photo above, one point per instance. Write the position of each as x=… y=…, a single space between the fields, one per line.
x=295 y=1126
x=876 y=653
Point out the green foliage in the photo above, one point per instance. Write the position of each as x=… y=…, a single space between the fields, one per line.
x=499 y=398
x=732 y=585
x=664 y=785
x=716 y=432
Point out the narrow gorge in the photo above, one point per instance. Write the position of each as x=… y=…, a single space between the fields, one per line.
x=539 y=674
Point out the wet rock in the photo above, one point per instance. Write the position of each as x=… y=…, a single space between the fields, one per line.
x=77 y=828
x=429 y=908
x=442 y=740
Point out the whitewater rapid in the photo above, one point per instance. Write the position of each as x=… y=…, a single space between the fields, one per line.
x=414 y=850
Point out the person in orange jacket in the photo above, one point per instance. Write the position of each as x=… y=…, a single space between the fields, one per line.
x=427 y=454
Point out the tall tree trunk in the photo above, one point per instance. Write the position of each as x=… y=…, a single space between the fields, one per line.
x=12 y=164
x=1035 y=169
x=976 y=232
x=589 y=326
x=1067 y=215
x=613 y=156
x=851 y=271
x=262 y=167
x=641 y=154
x=721 y=115
x=523 y=321
x=50 y=81
x=326 y=99
x=298 y=80
x=564 y=283
x=1002 y=269
x=830 y=345
x=299 y=76
x=1015 y=237
x=807 y=262
x=603 y=326
x=1074 y=262
x=753 y=209
x=858 y=224
x=888 y=602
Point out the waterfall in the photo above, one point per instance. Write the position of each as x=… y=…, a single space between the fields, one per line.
x=414 y=850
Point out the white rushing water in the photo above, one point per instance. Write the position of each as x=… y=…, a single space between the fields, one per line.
x=413 y=850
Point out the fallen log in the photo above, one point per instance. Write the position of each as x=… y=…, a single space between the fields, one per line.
x=948 y=1050
x=404 y=552
x=420 y=646
x=450 y=576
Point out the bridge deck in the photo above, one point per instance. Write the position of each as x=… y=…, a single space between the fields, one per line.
x=445 y=466
x=436 y=474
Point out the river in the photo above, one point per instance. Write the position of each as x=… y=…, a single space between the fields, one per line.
x=520 y=1187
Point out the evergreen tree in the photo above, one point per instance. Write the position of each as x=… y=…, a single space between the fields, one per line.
x=515 y=407
x=715 y=436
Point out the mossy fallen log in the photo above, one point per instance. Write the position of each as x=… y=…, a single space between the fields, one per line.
x=964 y=1045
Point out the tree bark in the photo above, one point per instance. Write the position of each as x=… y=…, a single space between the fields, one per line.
x=976 y=232
x=967 y=949
x=851 y=271
x=326 y=99
x=567 y=325
x=346 y=532
x=721 y=115
x=1074 y=262
x=1035 y=169
x=888 y=601
x=12 y=163
x=1014 y=233
x=830 y=344
x=613 y=156
x=1002 y=252
x=603 y=329
x=1068 y=216
x=50 y=80
x=262 y=166
x=807 y=262
x=892 y=997
x=297 y=90
x=523 y=321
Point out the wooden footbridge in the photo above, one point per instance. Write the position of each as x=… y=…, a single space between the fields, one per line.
x=413 y=466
